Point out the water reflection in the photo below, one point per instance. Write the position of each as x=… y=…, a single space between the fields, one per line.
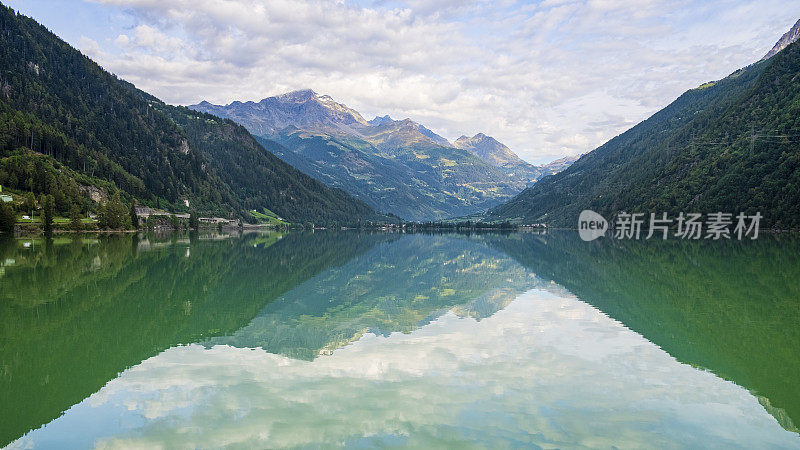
x=388 y=339
x=726 y=306
x=76 y=312
x=394 y=287
x=547 y=370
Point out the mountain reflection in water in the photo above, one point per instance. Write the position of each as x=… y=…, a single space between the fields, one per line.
x=410 y=339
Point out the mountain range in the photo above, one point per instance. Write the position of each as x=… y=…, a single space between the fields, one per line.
x=69 y=128
x=727 y=146
x=72 y=130
x=397 y=166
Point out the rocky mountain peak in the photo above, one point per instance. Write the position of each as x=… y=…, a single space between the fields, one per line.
x=299 y=95
x=378 y=120
x=490 y=150
x=309 y=111
x=790 y=36
x=304 y=109
x=409 y=123
x=402 y=131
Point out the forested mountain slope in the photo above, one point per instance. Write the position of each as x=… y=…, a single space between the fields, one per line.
x=66 y=124
x=420 y=180
x=728 y=146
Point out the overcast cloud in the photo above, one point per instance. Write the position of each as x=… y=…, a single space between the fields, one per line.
x=548 y=78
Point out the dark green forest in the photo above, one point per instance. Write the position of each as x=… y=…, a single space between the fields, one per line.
x=258 y=178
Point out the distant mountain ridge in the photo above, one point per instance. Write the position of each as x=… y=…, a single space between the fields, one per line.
x=407 y=128
x=309 y=111
x=398 y=169
x=499 y=155
x=397 y=166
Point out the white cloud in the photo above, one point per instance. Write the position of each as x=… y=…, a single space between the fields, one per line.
x=536 y=75
x=148 y=38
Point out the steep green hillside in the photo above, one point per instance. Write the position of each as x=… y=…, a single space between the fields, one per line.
x=729 y=146
x=417 y=179
x=351 y=165
x=65 y=124
x=259 y=179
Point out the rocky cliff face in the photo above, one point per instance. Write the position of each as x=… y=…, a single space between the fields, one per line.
x=303 y=109
x=789 y=37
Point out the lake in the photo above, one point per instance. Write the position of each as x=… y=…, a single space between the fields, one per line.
x=386 y=339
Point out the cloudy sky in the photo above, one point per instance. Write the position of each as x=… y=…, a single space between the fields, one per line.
x=549 y=78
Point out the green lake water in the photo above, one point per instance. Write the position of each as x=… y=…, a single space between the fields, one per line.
x=423 y=340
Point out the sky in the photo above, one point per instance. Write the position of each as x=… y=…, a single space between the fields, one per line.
x=548 y=78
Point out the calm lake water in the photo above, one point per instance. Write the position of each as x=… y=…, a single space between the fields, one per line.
x=364 y=340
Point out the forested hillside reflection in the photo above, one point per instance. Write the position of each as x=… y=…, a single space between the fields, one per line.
x=395 y=287
x=77 y=311
x=731 y=307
